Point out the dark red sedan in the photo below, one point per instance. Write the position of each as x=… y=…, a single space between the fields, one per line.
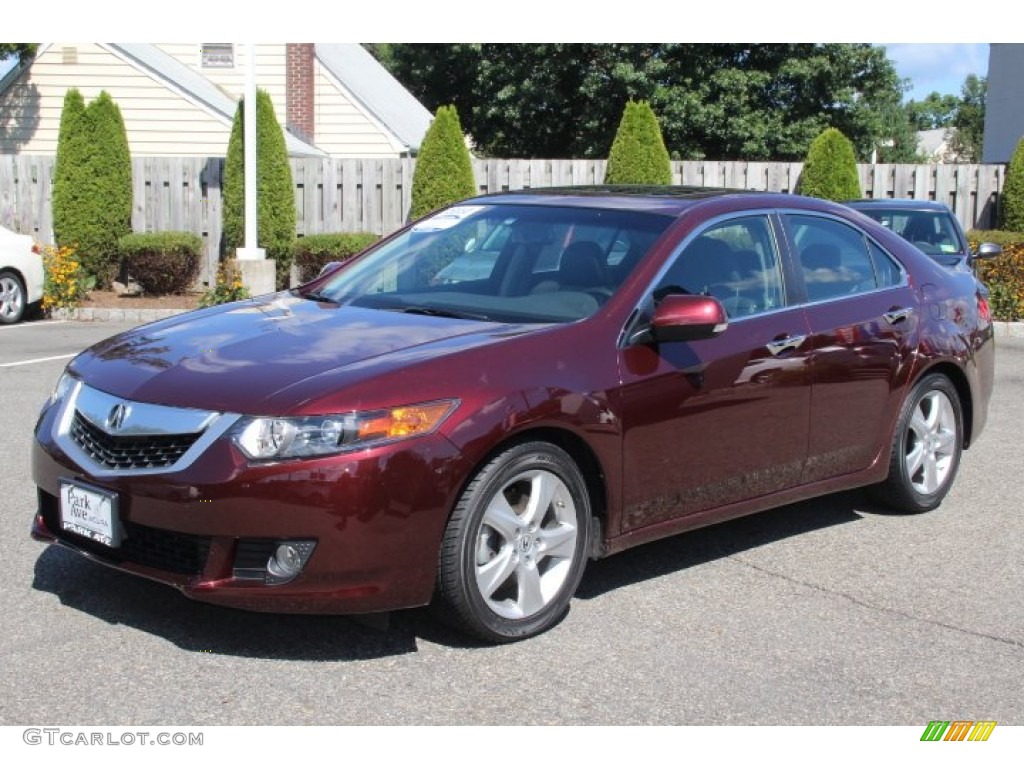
x=600 y=367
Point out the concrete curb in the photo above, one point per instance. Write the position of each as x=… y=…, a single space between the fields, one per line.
x=97 y=314
x=1009 y=330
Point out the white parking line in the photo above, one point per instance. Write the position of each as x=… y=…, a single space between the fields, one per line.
x=40 y=324
x=37 y=360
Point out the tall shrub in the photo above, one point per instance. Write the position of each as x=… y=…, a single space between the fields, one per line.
x=638 y=154
x=69 y=173
x=275 y=193
x=830 y=171
x=111 y=167
x=1012 y=204
x=444 y=171
x=93 y=183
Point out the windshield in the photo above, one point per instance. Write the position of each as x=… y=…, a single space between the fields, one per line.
x=931 y=231
x=504 y=263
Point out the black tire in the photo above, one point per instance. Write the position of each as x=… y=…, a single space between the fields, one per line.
x=504 y=578
x=926 y=447
x=12 y=298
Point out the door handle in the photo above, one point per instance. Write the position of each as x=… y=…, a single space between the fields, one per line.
x=898 y=315
x=785 y=344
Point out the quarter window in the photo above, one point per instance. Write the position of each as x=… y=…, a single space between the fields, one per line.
x=887 y=271
x=735 y=261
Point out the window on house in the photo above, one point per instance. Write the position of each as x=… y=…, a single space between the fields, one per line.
x=218 y=55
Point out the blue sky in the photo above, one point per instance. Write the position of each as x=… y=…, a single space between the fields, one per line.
x=938 y=67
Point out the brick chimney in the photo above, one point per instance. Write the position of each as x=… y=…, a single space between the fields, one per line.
x=299 y=90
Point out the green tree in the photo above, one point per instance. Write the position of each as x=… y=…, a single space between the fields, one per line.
x=24 y=51
x=93 y=183
x=444 y=171
x=898 y=140
x=111 y=167
x=70 y=175
x=275 y=190
x=1011 y=208
x=830 y=171
x=721 y=100
x=969 y=119
x=638 y=154
x=934 y=111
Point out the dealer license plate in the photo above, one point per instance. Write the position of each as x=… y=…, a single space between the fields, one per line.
x=90 y=512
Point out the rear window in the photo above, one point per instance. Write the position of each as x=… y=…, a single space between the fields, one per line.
x=933 y=232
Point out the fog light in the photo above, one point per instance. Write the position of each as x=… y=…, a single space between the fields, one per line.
x=288 y=560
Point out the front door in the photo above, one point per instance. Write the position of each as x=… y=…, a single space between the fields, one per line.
x=712 y=422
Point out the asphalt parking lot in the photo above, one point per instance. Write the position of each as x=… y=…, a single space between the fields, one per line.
x=829 y=612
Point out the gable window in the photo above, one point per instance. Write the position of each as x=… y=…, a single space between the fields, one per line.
x=217 y=55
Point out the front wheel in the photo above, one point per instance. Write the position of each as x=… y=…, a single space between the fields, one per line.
x=926 y=447
x=516 y=545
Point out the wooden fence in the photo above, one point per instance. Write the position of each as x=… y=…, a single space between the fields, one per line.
x=374 y=195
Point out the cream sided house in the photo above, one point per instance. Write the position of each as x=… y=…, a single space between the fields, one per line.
x=178 y=100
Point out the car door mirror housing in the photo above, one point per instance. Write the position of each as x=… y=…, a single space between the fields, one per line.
x=987 y=251
x=681 y=317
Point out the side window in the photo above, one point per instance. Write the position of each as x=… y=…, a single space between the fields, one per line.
x=736 y=261
x=887 y=271
x=833 y=256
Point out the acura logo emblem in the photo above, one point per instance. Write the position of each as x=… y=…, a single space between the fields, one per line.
x=117 y=415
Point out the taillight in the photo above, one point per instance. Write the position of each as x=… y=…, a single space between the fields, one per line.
x=983 y=310
x=36 y=248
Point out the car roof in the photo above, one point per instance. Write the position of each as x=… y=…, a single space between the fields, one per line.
x=898 y=204
x=667 y=200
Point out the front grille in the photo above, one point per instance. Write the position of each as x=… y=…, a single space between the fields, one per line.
x=129 y=452
x=170 y=551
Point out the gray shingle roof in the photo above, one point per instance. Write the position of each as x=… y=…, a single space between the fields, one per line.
x=380 y=93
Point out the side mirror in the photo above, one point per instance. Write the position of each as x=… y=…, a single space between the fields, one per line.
x=329 y=266
x=987 y=251
x=680 y=317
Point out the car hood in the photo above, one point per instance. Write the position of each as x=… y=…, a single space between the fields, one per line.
x=239 y=356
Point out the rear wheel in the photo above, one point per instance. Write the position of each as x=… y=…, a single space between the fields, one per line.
x=926 y=447
x=516 y=545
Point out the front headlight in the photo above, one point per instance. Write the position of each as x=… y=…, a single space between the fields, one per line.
x=62 y=388
x=285 y=438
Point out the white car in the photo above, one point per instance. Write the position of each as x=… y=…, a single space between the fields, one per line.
x=21 y=275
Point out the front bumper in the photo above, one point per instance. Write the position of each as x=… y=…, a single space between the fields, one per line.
x=377 y=517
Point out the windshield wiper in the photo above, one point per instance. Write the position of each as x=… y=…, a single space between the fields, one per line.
x=436 y=312
x=320 y=297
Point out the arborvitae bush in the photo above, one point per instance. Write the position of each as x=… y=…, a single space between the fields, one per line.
x=162 y=262
x=69 y=171
x=444 y=171
x=1012 y=203
x=313 y=252
x=638 y=154
x=830 y=171
x=275 y=191
x=93 y=183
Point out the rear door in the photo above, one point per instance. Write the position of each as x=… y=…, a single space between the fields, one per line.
x=863 y=320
